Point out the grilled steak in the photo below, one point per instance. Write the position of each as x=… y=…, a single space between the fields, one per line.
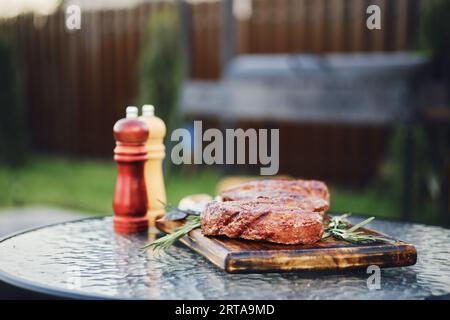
x=265 y=219
x=295 y=189
x=311 y=204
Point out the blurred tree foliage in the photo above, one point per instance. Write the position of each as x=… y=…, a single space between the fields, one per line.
x=13 y=133
x=435 y=34
x=161 y=64
x=426 y=176
x=435 y=37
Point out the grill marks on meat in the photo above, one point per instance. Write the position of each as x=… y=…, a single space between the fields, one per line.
x=311 y=204
x=305 y=188
x=255 y=220
x=286 y=190
x=280 y=211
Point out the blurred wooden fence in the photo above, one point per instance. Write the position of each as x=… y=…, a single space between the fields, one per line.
x=78 y=83
x=313 y=26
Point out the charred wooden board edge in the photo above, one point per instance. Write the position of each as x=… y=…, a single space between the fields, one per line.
x=303 y=259
x=214 y=251
x=323 y=259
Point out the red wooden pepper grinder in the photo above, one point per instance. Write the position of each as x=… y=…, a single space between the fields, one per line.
x=130 y=198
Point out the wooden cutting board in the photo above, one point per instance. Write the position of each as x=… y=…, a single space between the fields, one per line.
x=236 y=255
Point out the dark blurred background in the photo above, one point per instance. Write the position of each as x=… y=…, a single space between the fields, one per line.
x=367 y=111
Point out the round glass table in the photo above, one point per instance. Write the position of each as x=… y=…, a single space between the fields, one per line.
x=86 y=259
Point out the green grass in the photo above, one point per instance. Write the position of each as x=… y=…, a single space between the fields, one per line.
x=365 y=202
x=382 y=204
x=75 y=184
x=84 y=185
x=88 y=186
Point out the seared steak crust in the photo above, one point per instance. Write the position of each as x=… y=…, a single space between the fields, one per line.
x=311 y=204
x=295 y=189
x=262 y=220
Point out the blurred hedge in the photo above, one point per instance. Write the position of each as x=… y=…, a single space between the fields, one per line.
x=161 y=64
x=435 y=34
x=13 y=132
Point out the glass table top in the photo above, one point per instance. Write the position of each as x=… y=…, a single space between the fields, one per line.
x=86 y=259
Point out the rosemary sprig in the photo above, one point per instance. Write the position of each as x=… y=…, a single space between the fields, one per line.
x=192 y=222
x=339 y=228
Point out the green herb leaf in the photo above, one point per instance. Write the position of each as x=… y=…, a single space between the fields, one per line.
x=192 y=222
x=360 y=225
x=339 y=228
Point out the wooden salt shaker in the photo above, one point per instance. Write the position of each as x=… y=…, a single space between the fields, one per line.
x=153 y=168
x=130 y=198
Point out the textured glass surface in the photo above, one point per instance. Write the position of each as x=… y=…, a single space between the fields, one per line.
x=86 y=257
